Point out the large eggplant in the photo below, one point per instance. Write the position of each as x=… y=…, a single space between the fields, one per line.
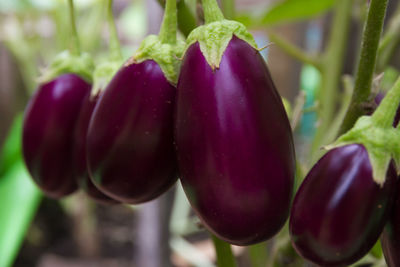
x=130 y=148
x=390 y=238
x=79 y=151
x=234 y=144
x=49 y=123
x=339 y=211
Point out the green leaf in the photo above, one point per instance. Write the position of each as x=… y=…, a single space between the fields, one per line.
x=293 y=10
x=288 y=11
x=11 y=150
x=19 y=197
x=376 y=251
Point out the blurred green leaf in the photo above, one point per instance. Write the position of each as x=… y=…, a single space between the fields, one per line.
x=288 y=11
x=11 y=150
x=19 y=197
x=292 y=10
x=17 y=5
x=376 y=251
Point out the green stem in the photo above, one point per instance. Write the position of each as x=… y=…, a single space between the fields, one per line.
x=331 y=73
x=366 y=64
x=169 y=25
x=293 y=50
x=224 y=253
x=386 y=111
x=228 y=8
x=115 y=48
x=258 y=254
x=211 y=11
x=76 y=49
x=186 y=19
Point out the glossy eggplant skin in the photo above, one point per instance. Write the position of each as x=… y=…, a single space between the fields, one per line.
x=390 y=238
x=50 y=118
x=79 y=152
x=234 y=144
x=130 y=148
x=339 y=211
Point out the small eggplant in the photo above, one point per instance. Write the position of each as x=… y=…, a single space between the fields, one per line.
x=234 y=144
x=50 y=118
x=390 y=238
x=79 y=152
x=339 y=211
x=130 y=148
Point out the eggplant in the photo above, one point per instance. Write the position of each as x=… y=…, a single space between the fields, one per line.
x=49 y=120
x=390 y=238
x=130 y=150
x=234 y=144
x=79 y=152
x=339 y=211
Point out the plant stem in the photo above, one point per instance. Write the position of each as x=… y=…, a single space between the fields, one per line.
x=224 y=253
x=76 y=50
x=115 y=48
x=169 y=25
x=212 y=12
x=331 y=71
x=386 y=111
x=366 y=64
x=228 y=8
x=186 y=19
x=293 y=50
x=258 y=254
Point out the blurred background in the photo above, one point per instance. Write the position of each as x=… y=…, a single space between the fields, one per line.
x=75 y=231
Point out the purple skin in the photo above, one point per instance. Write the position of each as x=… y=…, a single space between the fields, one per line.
x=47 y=140
x=234 y=144
x=79 y=152
x=130 y=138
x=339 y=211
x=390 y=238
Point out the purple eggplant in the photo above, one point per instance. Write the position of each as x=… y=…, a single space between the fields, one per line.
x=390 y=238
x=79 y=152
x=130 y=148
x=339 y=211
x=50 y=118
x=234 y=144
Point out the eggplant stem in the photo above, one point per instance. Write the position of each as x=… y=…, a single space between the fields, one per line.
x=386 y=111
x=212 y=12
x=76 y=49
x=224 y=253
x=367 y=61
x=169 y=25
x=115 y=47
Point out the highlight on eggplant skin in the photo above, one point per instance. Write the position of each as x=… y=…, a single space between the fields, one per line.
x=130 y=150
x=390 y=238
x=339 y=211
x=79 y=152
x=234 y=144
x=47 y=141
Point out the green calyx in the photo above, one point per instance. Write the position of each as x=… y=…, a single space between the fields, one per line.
x=103 y=74
x=214 y=38
x=377 y=135
x=65 y=62
x=381 y=143
x=168 y=56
